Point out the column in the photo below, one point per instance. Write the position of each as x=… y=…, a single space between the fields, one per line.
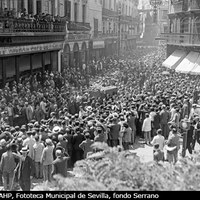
x=56 y=8
x=17 y=68
x=34 y=7
x=43 y=67
x=31 y=68
x=59 y=60
x=4 y=72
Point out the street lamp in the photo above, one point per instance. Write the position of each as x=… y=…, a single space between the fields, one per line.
x=155 y=4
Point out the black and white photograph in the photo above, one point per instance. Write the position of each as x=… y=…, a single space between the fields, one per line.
x=100 y=96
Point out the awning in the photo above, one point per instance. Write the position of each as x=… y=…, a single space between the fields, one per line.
x=174 y=59
x=196 y=68
x=188 y=62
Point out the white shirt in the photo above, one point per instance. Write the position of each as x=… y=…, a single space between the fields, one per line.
x=159 y=139
x=146 y=127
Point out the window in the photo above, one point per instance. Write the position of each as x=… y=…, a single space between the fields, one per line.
x=164 y=14
x=95 y=27
x=68 y=9
x=84 y=13
x=75 y=12
x=184 y=26
x=30 y=6
x=165 y=29
x=20 y=5
x=39 y=6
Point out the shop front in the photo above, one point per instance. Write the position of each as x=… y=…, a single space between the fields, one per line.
x=23 y=61
x=98 y=49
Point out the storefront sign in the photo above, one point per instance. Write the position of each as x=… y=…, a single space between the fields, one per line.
x=30 y=48
x=98 y=44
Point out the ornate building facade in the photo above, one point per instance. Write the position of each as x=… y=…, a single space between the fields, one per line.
x=28 y=46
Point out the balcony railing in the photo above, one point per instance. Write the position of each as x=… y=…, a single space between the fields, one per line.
x=78 y=26
x=194 y=5
x=177 y=7
x=181 y=38
x=8 y=25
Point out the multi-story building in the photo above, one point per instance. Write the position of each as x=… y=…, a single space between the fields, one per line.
x=183 y=30
x=162 y=18
x=26 y=45
x=97 y=43
x=76 y=48
x=120 y=24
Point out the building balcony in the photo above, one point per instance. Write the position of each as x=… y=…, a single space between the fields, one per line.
x=176 y=8
x=194 y=5
x=11 y=26
x=181 y=39
x=78 y=26
x=25 y=31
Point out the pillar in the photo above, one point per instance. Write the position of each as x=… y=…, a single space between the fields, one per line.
x=56 y=8
x=17 y=68
x=43 y=67
x=4 y=72
x=34 y=7
x=59 y=61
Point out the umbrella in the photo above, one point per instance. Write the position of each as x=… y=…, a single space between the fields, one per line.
x=165 y=73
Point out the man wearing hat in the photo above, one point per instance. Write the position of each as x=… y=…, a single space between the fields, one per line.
x=26 y=170
x=29 y=141
x=78 y=138
x=7 y=167
x=164 y=119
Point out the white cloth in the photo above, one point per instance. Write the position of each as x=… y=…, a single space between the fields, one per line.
x=159 y=139
x=146 y=127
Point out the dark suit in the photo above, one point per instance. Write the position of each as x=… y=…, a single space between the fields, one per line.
x=60 y=166
x=78 y=152
x=26 y=171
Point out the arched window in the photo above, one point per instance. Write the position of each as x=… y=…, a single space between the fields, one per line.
x=184 y=25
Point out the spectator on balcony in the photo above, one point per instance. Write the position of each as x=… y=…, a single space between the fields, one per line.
x=5 y=12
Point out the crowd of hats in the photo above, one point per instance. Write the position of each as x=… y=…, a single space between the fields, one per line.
x=141 y=87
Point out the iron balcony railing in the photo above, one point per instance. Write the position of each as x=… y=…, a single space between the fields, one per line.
x=184 y=6
x=8 y=25
x=194 y=5
x=181 y=38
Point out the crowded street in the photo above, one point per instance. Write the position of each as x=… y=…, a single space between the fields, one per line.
x=65 y=118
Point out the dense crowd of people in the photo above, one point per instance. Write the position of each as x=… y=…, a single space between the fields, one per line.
x=49 y=123
x=24 y=15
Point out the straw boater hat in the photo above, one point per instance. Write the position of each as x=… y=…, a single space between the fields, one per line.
x=56 y=129
x=24 y=150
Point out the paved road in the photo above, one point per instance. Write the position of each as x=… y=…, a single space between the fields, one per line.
x=145 y=152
